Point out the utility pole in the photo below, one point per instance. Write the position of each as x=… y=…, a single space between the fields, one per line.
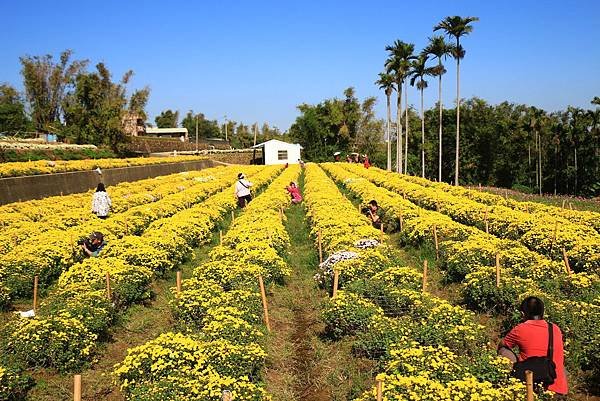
x=255 y=132
x=196 y=133
x=225 y=128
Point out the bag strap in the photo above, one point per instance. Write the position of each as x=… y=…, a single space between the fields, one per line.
x=550 y=352
x=247 y=187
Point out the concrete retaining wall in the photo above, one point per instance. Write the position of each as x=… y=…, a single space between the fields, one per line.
x=14 y=189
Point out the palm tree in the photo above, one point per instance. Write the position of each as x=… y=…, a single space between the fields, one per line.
x=398 y=64
x=386 y=82
x=439 y=48
x=457 y=26
x=418 y=71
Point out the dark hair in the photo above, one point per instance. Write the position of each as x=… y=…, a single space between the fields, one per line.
x=100 y=188
x=373 y=203
x=97 y=235
x=532 y=307
x=240 y=176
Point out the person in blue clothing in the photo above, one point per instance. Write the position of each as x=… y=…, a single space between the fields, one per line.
x=92 y=246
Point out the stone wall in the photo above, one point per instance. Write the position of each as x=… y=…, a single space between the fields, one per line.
x=14 y=189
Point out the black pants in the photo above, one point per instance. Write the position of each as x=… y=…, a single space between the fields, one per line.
x=244 y=200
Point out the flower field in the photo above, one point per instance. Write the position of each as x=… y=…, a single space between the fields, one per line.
x=423 y=341
x=17 y=169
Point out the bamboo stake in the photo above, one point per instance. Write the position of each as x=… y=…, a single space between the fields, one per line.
x=379 y=390
x=178 y=283
x=566 y=261
x=232 y=217
x=358 y=207
x=563 y=204
x=487 y=224
x=381 y=234
x=77 y=388
x=437 y=206
x=108 y=291
x=263 y=295
x=497 y=270
x=320 y=247
x=529 y=381
x=401 y=220
x=437 y=246
x=35 y=293
x=280 y=213
x=553 y=237
x=424 y=275
x=506 y=194
x=336 y=280
x=227 y=396
x=220 y=237
x=570 y=206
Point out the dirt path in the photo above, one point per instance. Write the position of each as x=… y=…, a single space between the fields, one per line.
x=302 y=365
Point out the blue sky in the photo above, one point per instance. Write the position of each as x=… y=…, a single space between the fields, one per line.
x=256 y=61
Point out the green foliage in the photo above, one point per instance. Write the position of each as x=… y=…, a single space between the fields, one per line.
x=337 y=125
x=167 y=119
x=206 y=128
x=12 y=111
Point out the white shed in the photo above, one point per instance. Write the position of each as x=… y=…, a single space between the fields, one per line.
x=279 y=152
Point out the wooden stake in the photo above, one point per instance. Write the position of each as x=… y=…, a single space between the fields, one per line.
x=336 y=280
x=232 y=217
x=281 y=213
x=108 y=291
x=570 y=206
x=358 y=207
x=424 y=275
x=77 y=388
x=263 y=295
x=320 y=247
x=178 y=283
x=480 y=186
x=379 y=390
x=437 y=206
x=437 y=246
x=401 y=220
x=506 y=194
x=566 y=261
x=553 y=237
x=35 y=293
x=221 y=237
x=529 y=381
x=497 y=270
x=563 y=204
x=227 y=396
x=487 y=224
x=381 y=234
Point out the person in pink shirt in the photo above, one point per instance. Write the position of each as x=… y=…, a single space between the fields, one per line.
x=294 y=192
x=532 y=337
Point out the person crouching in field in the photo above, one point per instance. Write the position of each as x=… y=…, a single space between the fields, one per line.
x=242 y=191
x=101 y=202
x=294 y=193
x=540 y=348
x=373 y=213
x=92 y=246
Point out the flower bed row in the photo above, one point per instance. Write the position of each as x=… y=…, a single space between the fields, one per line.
x=218 y=314
x=425 y=346
x=64 y=334
x=49 y=253
x=468 y=256
x=546 y=235
x=591 y=219
x=65 y=211
x=61 y=213
x=17 y=169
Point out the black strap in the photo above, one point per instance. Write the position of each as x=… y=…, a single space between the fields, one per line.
x=550 y=352
x=240 y=181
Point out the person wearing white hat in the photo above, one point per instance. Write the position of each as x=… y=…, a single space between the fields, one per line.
x=242 y=190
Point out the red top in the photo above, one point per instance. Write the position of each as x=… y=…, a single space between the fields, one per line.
x=531 y=337
x=295 y=193
x=367 y=164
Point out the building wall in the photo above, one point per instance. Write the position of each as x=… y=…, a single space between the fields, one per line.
x=271 y=151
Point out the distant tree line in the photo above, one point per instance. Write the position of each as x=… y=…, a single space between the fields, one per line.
x=239 y=134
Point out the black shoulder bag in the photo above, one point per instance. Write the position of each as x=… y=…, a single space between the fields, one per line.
x=543 y=367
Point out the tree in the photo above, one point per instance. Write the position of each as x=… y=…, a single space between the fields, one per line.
x=45 y=84
x=386 y=82
x=368 y=134
x=418 y=72
x=457 y=27
x=13 y=119
x=439 y=48
x=206 y=128
x=93 y=110
x=398 y=64
x=167 y=119
x=138 y=102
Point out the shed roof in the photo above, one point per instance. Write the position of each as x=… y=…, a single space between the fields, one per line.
x=275 y=142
